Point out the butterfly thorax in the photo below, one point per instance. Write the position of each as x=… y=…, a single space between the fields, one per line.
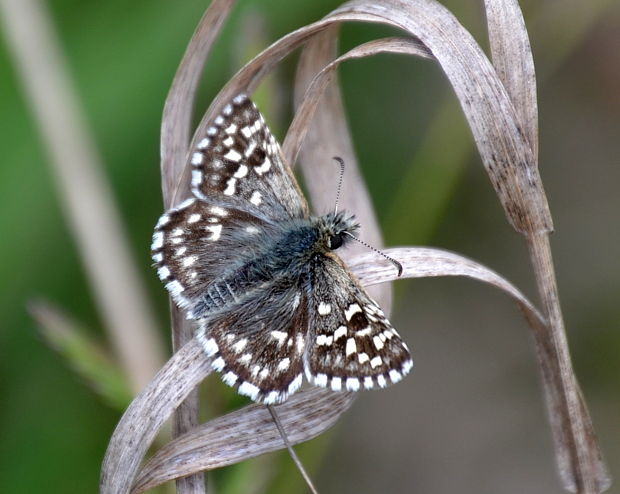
x=286 y=256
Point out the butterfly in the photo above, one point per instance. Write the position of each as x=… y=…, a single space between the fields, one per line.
x=259 y=275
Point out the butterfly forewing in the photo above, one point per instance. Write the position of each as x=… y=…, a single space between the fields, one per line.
x=259 y=354
x=354 y=346
x=240 y=163
x=192 y=247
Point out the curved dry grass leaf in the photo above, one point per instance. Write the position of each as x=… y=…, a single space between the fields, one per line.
x=144 y=417
x=243 y=434
x=176 y=129
x=512 y=58
x=250 y=431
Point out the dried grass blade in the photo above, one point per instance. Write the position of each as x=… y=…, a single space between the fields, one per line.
x=144 y=417
x=505 y=152
x=176 y=128
x=512 y=58
x=244 y=434
x=83 y=189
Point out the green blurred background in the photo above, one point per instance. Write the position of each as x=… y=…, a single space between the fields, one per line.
x=470 y=418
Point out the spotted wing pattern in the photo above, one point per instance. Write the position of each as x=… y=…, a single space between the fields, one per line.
x=230 y=256
x=259 y=344
x=239 y=163
x=352 y=345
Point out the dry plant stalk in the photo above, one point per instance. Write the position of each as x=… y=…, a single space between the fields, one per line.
x=499 y=102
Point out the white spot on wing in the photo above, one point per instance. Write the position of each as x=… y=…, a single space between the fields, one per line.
x=230 y=378
x=197 y=158
x=324 y=340
x=175 y=288
x=352 y=384
x=193 y=218
x=163 y=219
x=368 y=384
x=351 y=347
x=353 y=309
x=284 y=364
x=256 y=198
x=363 y=357
x=231 y=129
x=300 y=343
x=209 y=344
x=240 y=345
x=264 y=167
x=239 y=99
x=196 y=177
x=324 y=308
x=230 y=186
x=272 y=398
x=216 y=231
x=218 y=210
x=341 y=331
x=376 y=361
x=233 y=155
x=241 y=172
x=364 y=332
x=295 y=384
x=280 y=336
x=188 y=261
x=336 y=383
x=163 y=273
x=248 y=389
x=320 y=380
x=250 y=149
x=395 y=376
x=158 y=240
x=204 y=143
x=407 y=367
x=218 y=364
x=378 y=342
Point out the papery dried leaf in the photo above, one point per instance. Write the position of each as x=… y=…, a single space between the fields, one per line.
x=505 y=152
x=176 y=129
x=512 y=58
x=244 y=434
x=144 y=417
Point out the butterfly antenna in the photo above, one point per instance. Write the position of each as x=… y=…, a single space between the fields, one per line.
x=341 y=162
x=291 y=451
x=398 y=265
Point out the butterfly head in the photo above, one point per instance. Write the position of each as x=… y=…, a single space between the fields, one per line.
x=336 y=229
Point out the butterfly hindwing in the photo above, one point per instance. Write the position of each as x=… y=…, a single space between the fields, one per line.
x=239 y=162
x=259 y=344
x=353 y=345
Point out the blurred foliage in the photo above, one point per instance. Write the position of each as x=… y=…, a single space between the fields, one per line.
x=413 y=145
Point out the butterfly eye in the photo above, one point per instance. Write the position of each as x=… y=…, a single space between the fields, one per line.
x=335 y=241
